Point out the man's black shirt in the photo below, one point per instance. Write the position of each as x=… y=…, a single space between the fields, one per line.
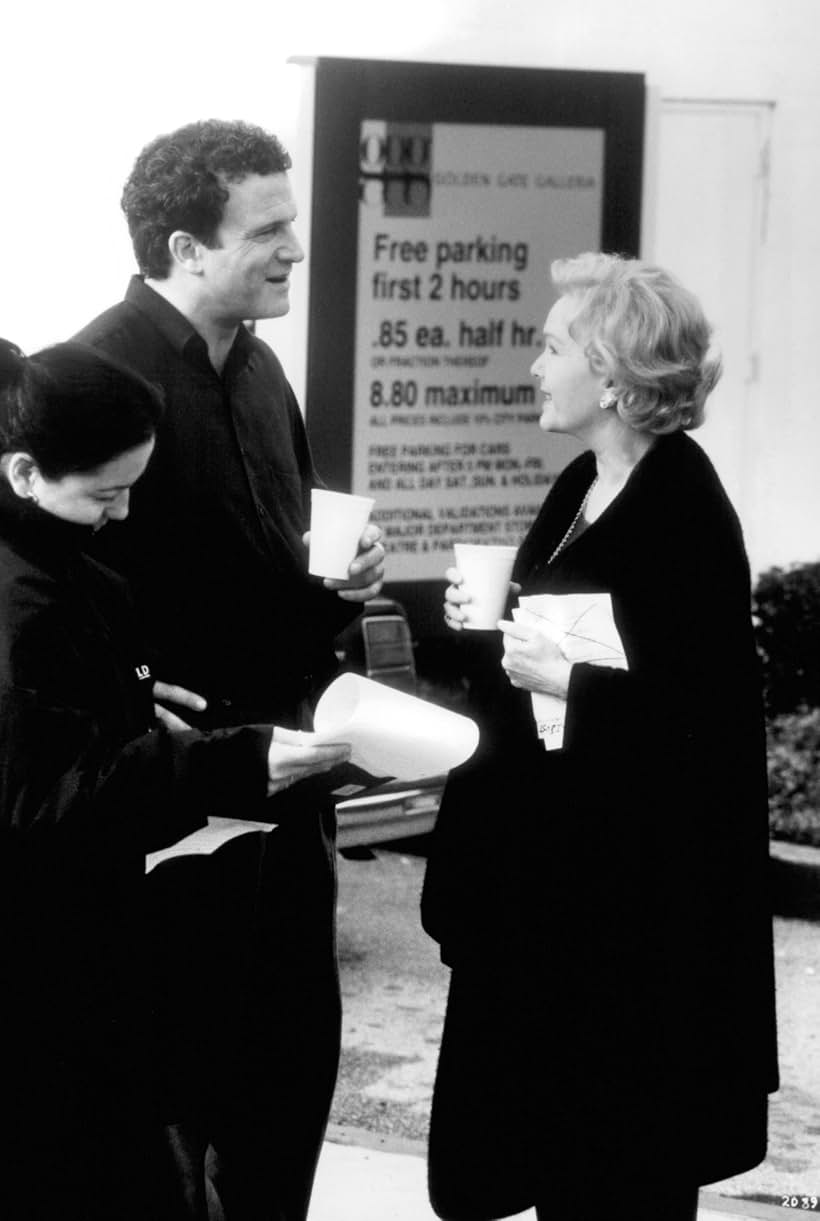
x=213 y=545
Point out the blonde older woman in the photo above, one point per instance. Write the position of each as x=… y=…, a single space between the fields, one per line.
x=610 y=1037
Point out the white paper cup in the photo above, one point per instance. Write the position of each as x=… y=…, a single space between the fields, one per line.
x=337 y=520
x=486 y=570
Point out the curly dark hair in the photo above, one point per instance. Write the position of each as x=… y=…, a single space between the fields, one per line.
x=178 y=182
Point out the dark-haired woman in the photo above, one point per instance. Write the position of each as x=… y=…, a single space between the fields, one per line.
x=90 y=782
x=610 y=1038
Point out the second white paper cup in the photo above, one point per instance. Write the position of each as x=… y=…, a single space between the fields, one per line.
x=486 y=570
x=337 y=520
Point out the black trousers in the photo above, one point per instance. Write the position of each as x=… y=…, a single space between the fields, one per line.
x=248 y=1023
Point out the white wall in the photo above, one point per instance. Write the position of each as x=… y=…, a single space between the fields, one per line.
x=83 y=88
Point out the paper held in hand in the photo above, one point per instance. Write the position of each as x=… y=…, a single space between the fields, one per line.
x=393 y=734
x=206 y=840
x=583 y=627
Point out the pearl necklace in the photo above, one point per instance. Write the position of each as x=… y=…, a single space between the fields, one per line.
x=574 y=521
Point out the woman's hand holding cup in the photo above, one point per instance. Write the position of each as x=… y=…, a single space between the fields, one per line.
x=456 y=596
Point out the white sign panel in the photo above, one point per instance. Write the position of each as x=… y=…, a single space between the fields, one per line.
x=458 y=224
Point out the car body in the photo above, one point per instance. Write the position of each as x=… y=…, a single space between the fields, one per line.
x=379 y=645
x=392 y=812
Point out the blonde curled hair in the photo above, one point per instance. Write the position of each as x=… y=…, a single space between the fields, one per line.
x=639 y=325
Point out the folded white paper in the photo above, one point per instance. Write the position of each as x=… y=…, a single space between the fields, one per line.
x=206 y=840
x=392 y=733
x=583 y=627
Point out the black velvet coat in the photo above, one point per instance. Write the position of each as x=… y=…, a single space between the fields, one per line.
x=88 y=784
x=604 y=907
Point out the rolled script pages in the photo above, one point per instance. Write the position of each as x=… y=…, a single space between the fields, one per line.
x=392 y=733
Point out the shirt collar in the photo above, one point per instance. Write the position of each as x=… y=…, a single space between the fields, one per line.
x=181 y=334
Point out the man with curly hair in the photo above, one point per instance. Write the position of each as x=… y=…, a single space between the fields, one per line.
x=247 y=986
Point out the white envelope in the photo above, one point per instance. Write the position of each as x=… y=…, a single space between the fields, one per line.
x=583 y=627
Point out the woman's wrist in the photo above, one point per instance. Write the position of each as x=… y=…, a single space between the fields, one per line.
x=560 y=677
x=553 y=679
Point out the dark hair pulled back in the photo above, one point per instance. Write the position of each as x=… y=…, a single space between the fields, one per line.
x=72 y=408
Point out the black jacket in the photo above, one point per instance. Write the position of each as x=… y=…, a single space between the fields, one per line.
x=88 y=784
x=614 y=892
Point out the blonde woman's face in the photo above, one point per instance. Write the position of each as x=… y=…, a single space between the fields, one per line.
x=572 y=391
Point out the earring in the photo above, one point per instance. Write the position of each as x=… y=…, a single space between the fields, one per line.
x=608 y=399
x=32 y=496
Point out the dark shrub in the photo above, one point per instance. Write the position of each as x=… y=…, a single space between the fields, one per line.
x=786 y=604
x=794 y=776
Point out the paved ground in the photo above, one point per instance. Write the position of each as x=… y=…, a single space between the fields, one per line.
x=394 y=990
x=361 y=1182
x=793 y=1165
x=394 y=994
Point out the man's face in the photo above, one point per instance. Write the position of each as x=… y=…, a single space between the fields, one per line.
x=247 y=274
